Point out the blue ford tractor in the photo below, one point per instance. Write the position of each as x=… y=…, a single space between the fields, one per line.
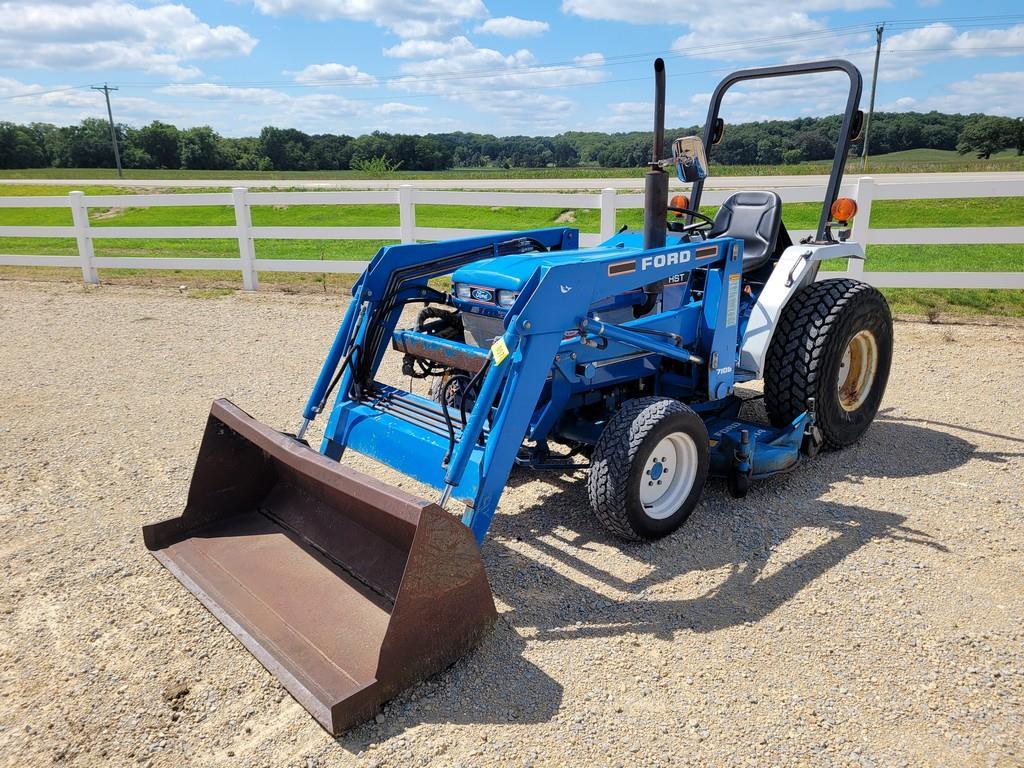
x=622 y=360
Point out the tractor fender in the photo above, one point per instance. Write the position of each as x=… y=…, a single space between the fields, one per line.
x=797 y=267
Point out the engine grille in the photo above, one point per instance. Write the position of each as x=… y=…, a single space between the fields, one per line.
x=481 y=330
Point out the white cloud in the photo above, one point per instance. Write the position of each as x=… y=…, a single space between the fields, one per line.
x=465 y=66
x=398 y=108
x=643 y=112
x=112 y=34
x=332 y=73
x=65 y=104
x=631 y=107
x=779 y=98
x=798 y=30
x=902 y=104
x=406 y=18
x=905 y=54
x=223 y=93
x=308 y=111
x=265 y=97
x=417 y=123
x=511 y=86
x=512 y=26
x=639 y=116
x=662 y=12
x=737 y=30
x=995 y=93
x=231 y=111
x=430 y=49
x=724 y=36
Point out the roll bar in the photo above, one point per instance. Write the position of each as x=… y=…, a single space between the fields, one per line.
x=848 y=132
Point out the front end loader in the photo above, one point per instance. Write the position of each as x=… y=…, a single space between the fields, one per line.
x=621 y=359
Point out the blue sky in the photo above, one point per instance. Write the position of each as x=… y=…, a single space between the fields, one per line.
x=495 y=66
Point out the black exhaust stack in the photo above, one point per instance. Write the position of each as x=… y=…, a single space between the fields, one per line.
x=656 y=180
x=655 y=189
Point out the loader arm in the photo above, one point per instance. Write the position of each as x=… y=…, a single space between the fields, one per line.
x=406 y=432
x=414 y=264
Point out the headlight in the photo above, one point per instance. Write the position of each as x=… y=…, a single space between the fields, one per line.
x=462 y=290
x=507 y=298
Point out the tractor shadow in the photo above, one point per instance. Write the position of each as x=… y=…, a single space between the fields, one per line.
x=492 y=684
x=558 y=575
x=548 y=563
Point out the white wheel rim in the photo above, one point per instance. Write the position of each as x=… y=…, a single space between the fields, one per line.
x=668 y=475
x=857 y=371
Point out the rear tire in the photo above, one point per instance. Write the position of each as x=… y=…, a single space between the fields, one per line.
x=648 y=468
x=833 y=344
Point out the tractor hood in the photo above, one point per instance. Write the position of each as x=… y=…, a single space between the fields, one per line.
x=510 y=273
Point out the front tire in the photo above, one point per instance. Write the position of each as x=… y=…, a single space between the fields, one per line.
x=648 y=468
x=833 y=344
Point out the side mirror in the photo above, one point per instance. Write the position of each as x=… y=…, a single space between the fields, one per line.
x=690 y=158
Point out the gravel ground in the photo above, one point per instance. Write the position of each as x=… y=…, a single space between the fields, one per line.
x=865 y=610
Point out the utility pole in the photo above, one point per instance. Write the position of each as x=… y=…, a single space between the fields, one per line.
x=113 y=131
x=874 y=84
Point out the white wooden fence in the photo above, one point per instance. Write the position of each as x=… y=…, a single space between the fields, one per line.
x=406 y=197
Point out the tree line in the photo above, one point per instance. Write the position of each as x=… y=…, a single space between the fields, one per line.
x=163 y=146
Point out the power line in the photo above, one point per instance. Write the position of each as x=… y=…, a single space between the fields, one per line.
x=938 y=19
x=29 y=94
x=959 y=48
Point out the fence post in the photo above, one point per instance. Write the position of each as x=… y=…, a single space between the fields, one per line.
x=246 y=247
x=406 y=213
x=608 y=212
x=861 y=233
x=80 y=218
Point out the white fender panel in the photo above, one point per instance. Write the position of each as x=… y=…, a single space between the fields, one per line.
x=797 y=267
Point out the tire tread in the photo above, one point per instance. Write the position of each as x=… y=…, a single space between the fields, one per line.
x=801 y=341
x=613 y=458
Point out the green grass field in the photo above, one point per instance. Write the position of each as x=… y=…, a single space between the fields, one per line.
x=944 y=156
x=1008 y=211
x=910 y=161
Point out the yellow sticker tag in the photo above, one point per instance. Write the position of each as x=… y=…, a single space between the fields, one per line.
x=499 y=350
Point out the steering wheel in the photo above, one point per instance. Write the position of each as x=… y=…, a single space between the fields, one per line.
x=703 y=225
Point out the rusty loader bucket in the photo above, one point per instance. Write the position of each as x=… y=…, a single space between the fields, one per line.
x=345 y=588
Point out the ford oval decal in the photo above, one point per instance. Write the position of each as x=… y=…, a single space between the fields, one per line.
x=482 y=294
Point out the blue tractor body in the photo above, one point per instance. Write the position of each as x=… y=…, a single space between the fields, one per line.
x=556 y=368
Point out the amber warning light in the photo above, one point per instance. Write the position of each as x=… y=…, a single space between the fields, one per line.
x=843 y=209
x=679 y=201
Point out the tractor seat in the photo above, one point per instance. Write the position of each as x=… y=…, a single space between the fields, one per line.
x=754 y=218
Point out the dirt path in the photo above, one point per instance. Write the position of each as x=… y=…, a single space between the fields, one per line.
x=865 y=610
